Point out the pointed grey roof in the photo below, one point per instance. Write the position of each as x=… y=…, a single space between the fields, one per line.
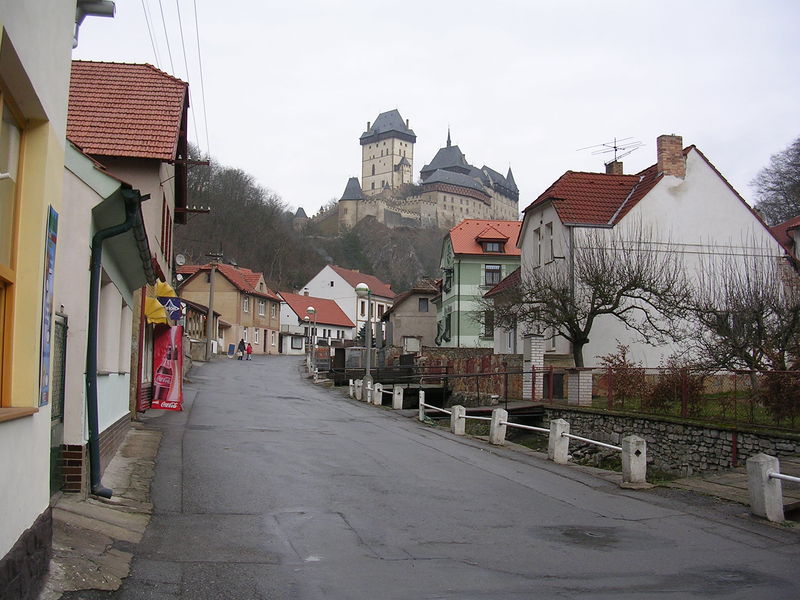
x=449 y=158
x=300 y=214
x=442 y=176
x=388 y=124
x=510 y=179
x=404 y=162
x=352 y=190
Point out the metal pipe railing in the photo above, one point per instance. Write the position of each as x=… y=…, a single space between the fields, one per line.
x=774 y=475
x=527 y=427
x=595 y=442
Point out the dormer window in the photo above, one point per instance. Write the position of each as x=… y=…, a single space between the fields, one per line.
x=492 y=247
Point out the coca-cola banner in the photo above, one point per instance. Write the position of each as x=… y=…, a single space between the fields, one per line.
x=168 y=368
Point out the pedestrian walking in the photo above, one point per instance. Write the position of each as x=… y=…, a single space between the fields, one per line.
x=249 y=351
x=240 y=350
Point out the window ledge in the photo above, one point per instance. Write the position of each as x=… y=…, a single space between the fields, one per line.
x=11 y=414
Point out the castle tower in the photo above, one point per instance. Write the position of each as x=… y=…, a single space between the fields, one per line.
x=387 y=153
x=349 y=204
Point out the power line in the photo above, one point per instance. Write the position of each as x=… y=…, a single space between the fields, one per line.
x=166 y=36
x=186 y=66
x=202 y=84
x=147 y=19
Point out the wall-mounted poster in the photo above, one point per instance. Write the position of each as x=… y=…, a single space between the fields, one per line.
x=168 y=368
x=47 y=306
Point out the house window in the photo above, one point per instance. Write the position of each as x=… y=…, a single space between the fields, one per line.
x=548 y=242
x=10 y=137
x=331 y=284
x=262 y=308
x=305 y=331
x=363 y=308
x=488 y=323
x=380 y=310
x=423 y=305
x=273 y=310
x=244 y=334
x=272 y=338
x=297 y=342
x=255 y=336
x=491 y=247
x=537 y=247
x=492 y=275
x=246 y=304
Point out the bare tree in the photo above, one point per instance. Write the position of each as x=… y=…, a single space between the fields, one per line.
x=778 y=185
x=747 y=313
x=622 y=272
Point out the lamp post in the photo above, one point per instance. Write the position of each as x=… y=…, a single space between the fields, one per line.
x=363 y=291
x=313 y=311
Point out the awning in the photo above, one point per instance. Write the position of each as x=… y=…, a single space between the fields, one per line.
x=153 y=309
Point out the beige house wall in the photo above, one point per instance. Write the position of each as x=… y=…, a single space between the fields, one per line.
x=408 y=321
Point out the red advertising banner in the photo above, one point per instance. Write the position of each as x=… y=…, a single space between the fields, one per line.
x=168 y=368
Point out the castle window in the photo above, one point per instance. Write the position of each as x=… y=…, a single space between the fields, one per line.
x=373 y=185
x=373 y=169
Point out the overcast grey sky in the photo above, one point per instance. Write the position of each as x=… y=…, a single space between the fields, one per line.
x=290 y=86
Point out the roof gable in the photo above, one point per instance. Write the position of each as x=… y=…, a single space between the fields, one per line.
x=244 y=280
x=353 y=278
x=328 y=312
x=121 y=109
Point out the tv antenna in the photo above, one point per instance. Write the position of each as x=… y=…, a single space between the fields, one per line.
x=620 y=147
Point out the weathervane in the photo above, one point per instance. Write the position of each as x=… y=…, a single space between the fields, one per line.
x=620 y=148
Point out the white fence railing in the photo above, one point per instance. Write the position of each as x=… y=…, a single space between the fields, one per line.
x=764 y=479
x=633 y=449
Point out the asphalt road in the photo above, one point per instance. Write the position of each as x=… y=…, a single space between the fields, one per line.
x=270 y=487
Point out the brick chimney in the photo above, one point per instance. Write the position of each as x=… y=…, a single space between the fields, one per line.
x=614 y=167
x=669 y=150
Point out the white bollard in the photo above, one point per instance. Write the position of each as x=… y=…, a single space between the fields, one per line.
x=352 y=391
x=497 y=428
x=558 y=445
x=634 y=460
x=368 y=393
x=766 y=493
x=421 y=415
x=377 y=394
x=457 y=420
x=397 y=398
x=359 y=388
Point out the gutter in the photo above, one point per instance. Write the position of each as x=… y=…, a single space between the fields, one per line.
x=133 y=220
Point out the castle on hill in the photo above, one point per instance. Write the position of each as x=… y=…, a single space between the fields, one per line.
x=449 y=189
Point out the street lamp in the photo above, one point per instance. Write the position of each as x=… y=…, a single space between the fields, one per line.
x=313 y=311
x=363 y=291
x=308 y=329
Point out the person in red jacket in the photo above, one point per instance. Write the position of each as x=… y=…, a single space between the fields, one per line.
x=249 y=351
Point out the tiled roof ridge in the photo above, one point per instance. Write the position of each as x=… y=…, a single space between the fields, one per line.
x=328 y=311
x=132 y=64
x=235 y=275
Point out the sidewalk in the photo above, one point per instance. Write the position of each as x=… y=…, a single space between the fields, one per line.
x=732 y=484
x=94 y=539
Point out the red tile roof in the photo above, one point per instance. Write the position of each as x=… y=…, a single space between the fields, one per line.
x=243 y=279
x=376 y=286
x=328 y=312
x=466 y=234
x=596 y=198
x=781 y=231
x=121 y=109
x=514 y=278
x=490 y=234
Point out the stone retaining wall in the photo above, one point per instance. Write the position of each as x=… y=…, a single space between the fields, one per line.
x=677 y=448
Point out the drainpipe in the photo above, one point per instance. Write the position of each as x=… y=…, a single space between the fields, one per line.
x=133 y=219
x=458 y=307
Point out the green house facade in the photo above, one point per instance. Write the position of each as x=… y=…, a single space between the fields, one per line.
x=476 y=256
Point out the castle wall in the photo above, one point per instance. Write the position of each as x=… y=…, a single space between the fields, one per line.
x=378 y=162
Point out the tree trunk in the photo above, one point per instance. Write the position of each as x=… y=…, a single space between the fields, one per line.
x=577 y=353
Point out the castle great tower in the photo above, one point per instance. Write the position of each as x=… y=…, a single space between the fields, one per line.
x=387 y=153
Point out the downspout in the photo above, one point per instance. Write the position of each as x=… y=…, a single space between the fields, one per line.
x=458 y=307
x=133 y=217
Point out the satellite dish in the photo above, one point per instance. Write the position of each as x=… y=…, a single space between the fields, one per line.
x=180 y=260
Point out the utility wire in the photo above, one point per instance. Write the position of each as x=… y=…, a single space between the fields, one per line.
x=147 y=19
x=186 y=66
x=166 y=36
x=202 y=84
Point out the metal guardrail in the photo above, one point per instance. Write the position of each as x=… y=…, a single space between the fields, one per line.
x=527 y=427
x=595 y=442
x=774 y=475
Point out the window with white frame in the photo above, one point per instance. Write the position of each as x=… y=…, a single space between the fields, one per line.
x=262 y=307
x=548 y=243
x=273 y=310
x=246 y=304
x=272 y=338
x=537 y=247
x=244 y=334
x=255 y=336
x=492 y=274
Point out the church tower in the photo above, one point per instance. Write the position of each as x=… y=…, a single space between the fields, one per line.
x=387 y=153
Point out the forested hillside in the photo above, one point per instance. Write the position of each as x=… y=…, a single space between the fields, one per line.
x=252 y=226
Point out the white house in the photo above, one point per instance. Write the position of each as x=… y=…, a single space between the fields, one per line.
x=327 y=323
x=682 y=198
x=338 y=284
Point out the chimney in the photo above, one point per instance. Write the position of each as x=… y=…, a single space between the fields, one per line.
x=305 y=291
x=670 y=156
x=407 y=125
x=368 y=124
x=614 y=167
